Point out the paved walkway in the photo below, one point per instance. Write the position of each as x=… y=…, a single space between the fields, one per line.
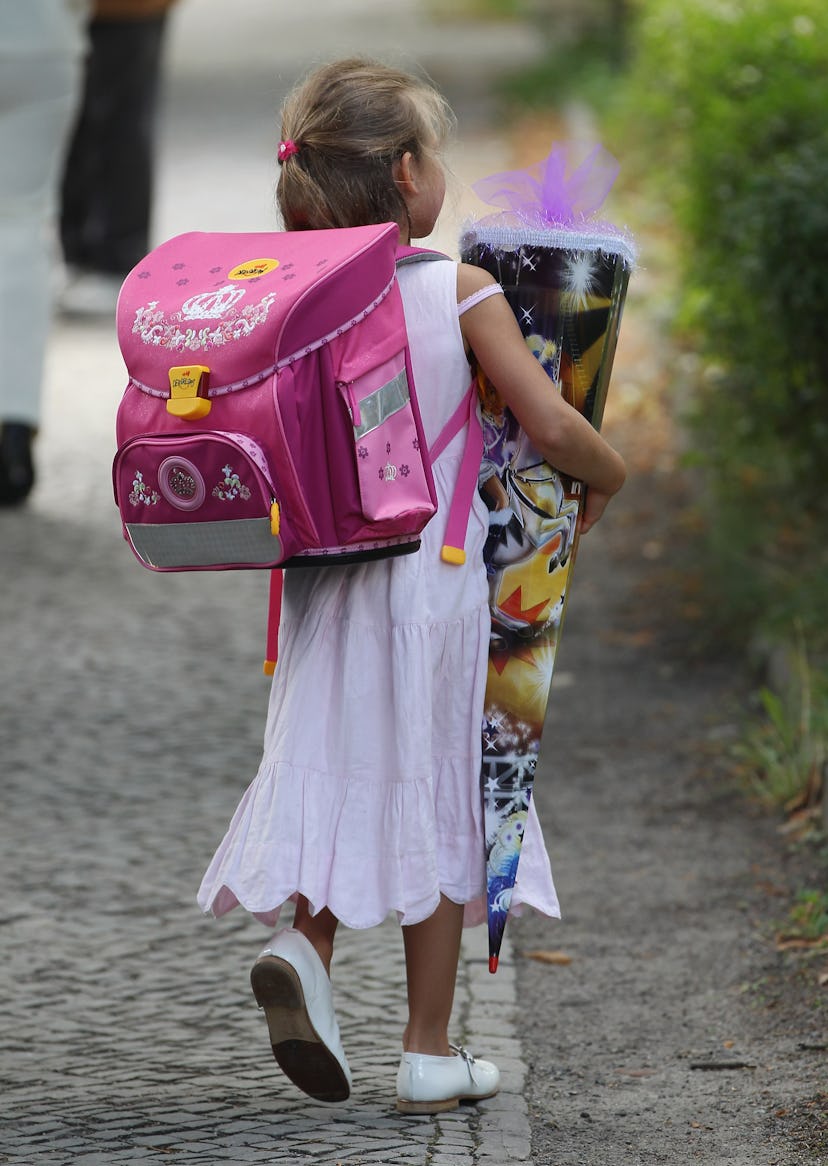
x=131 y=721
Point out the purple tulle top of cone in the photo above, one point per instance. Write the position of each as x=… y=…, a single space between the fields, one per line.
x=556 y=191
x=553 y=203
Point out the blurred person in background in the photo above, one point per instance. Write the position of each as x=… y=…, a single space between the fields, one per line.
x=106 y=196
x=41 y=59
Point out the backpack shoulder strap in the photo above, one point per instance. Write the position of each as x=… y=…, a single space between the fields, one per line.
x=464 y=417
x=274 y=615
x=406 y=255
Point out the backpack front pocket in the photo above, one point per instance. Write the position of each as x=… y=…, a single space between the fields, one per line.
x=206 y=500
x=389 y=460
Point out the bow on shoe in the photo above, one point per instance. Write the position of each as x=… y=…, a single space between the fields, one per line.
x=432 y=1084
x=468 y=1058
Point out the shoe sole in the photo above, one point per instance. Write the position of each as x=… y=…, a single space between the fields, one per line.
x=299 y=1050
x=424 y=1108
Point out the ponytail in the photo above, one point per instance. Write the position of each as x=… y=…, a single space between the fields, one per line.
x=343 y=129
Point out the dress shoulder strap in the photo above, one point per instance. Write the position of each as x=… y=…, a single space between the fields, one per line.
x=483 y=293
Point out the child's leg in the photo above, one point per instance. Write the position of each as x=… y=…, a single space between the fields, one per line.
x=291 y=983
x=432 y=952
x=319 y=929
x=431 y=1077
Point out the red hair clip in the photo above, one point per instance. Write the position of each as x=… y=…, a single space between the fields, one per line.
x=286 y=149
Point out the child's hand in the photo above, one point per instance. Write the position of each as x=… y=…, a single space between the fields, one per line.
x=594 y=506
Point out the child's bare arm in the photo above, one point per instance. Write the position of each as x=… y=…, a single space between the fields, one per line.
x=557 y=430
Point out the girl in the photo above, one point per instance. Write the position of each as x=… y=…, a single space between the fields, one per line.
x=367 y=799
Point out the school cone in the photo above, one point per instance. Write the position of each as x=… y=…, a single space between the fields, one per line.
x=565 y=277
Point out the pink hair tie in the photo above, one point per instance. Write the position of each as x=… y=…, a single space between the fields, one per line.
x=286 y=149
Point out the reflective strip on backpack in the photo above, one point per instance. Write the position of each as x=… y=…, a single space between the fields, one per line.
x=383 y=403
x=247 y=542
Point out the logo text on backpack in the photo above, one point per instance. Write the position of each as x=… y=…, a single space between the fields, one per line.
x=253 y=269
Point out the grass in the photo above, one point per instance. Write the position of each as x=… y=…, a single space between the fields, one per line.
x=782 y=755
x=782 y=762
x=809 y=916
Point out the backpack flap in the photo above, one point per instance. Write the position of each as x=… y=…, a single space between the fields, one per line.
x=238 y=303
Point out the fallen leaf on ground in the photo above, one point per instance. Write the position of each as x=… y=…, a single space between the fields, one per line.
x=771 y=889
x=636 y=1072
x=808 y=797
x=798 y=942
x=800 y=822
x=548 y=957
x=628 y=639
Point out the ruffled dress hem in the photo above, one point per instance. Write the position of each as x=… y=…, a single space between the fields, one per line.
x=474 y=915
x=405 y=880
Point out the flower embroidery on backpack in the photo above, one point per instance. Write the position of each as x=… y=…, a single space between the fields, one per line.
x=362 y=451
x=141 y=494
x=231 y=486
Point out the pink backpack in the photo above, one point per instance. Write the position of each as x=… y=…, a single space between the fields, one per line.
x=270 y=418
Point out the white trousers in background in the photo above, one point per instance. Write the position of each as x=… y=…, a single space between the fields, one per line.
x=41 y=57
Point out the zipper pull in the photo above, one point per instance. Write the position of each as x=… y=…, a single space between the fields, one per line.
x=353 y=403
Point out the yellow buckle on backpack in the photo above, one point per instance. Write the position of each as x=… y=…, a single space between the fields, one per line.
x=454 y=555
x=188 y=392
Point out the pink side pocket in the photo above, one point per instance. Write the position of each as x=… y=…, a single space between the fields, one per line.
x=392 y=480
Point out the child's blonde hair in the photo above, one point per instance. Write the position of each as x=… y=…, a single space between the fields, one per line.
x=350 y=121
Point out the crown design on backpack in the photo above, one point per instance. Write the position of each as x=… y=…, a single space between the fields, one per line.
x=159 y=330
x=212 y=305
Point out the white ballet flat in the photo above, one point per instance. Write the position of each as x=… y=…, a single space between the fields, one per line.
x=427 y=1084
x=291 y=985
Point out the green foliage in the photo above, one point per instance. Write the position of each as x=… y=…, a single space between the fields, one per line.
x=585 y=46
x=729 y=98
x=478 y=9
x=809 y=915
x=782 y=755
x=584 y=69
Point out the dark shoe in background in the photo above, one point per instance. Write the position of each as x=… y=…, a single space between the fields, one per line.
x=16 y=466
x=90 y=294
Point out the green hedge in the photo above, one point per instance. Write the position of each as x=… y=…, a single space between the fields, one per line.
x=730 y=101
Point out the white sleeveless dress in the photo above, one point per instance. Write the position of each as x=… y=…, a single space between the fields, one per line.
x=367 y=800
